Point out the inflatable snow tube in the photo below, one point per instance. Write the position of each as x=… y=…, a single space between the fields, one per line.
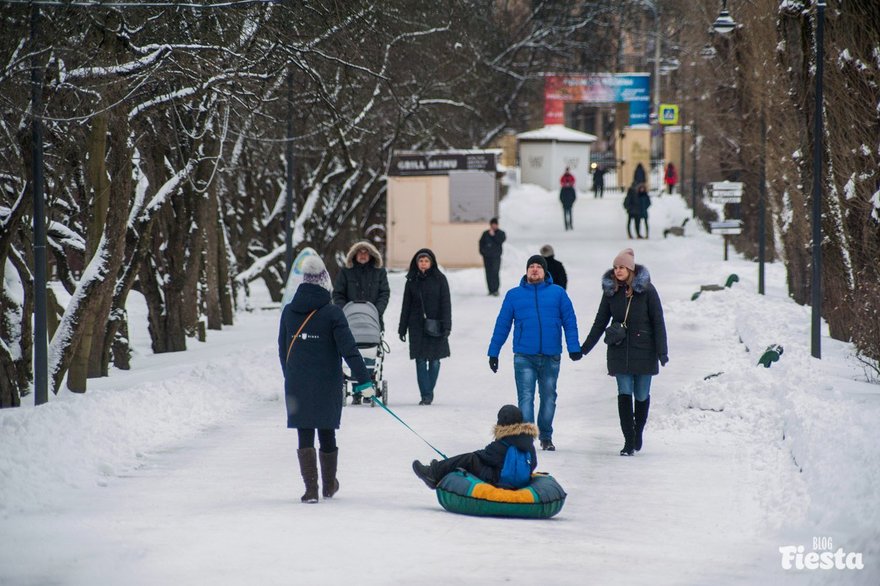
x=460 y=492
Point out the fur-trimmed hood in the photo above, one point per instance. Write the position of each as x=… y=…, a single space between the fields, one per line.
x=500 y=432
x=641 y=280
x=374 y=254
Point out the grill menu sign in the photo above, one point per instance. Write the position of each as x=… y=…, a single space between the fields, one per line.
x=441 y=163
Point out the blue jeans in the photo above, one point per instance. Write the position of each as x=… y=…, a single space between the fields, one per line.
x=529 y=369
x=634 y=384
x=427 y=372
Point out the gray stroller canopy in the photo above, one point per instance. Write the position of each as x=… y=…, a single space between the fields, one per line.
x=363 y=319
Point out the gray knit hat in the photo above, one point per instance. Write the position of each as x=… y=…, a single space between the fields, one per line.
x=315 y=272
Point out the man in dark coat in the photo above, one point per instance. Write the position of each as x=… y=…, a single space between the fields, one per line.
x=363 y=279
x=632 y=205
x=426 y=296
x=639 y=175
x=554 y=267
x=312 y=336
x=598 y=181
x=486 y=464
x=490 y=250
x=629 y=297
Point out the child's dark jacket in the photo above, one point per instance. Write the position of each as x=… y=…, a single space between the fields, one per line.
x=520 y=435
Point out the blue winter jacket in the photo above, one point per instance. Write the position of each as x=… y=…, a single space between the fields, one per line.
x=538 y=313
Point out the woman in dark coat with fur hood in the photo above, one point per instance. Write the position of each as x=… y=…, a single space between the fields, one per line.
x=486 y=464
x=426 y=295
x=363 y=279
x=312 y=337
x=629 y=297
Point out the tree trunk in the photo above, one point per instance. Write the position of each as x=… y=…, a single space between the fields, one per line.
x=213 y=252
x=90 y=305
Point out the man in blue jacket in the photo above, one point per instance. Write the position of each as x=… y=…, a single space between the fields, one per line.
x=538 y=311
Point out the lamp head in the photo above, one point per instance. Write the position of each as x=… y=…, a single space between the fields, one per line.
x=724 y=23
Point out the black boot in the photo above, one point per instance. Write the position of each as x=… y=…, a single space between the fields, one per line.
x=329 y=482
x=425 y=473
x=641 y=418
x=625 y=411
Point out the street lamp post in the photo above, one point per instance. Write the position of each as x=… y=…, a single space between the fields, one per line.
x=816 y=282
x=41 y=338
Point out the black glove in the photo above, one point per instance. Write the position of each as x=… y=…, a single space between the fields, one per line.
x=575 y=356
x=446 y=334
x=664 y=359
x=493 y=363
x=402 y=337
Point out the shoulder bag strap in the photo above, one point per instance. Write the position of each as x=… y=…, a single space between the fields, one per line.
x=296 y=335
x=626 y=315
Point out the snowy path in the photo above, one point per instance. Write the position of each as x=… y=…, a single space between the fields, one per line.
x=217 y=501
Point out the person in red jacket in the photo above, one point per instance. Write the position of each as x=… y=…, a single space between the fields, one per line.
x=567 y=197
x=670 y=177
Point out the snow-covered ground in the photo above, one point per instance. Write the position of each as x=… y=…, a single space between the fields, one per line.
x=181 y=470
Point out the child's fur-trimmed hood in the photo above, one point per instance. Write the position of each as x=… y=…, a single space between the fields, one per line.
x=503 y=431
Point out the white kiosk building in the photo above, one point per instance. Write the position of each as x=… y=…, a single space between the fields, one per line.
x=545 y=153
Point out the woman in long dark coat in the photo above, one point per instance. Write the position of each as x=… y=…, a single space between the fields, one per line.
x=313 y=335
x=426 y=295
x=629 y=297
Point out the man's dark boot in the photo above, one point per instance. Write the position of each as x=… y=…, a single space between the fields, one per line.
x=641 y=418
x=329 y=482
x=625 y=411
x=308 y=467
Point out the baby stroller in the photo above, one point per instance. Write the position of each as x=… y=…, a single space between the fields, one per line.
x=363 y=319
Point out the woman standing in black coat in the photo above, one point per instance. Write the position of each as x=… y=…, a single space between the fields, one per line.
x=426 y=296
x=313 y=335
x=628 y=297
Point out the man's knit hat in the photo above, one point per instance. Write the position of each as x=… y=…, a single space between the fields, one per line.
x=625 y=258
x=510 y=415
x=315 y=272
x=537 y=258
x=546 y=250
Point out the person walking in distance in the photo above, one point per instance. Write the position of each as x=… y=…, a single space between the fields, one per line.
x=633 y=211
x=554 y=267
x=598 y=181
x=670 y=177
x=643 y=202
x=312 y=336
x=639 y=175
x=539 y=311
x=490 y=249
x=426 y=312
x=567 y=196
x=636 y=342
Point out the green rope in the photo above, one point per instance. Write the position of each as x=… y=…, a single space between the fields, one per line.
x=393 y=414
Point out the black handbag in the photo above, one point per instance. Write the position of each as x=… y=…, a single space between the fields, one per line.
x=615 y=334
x=432 y=327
